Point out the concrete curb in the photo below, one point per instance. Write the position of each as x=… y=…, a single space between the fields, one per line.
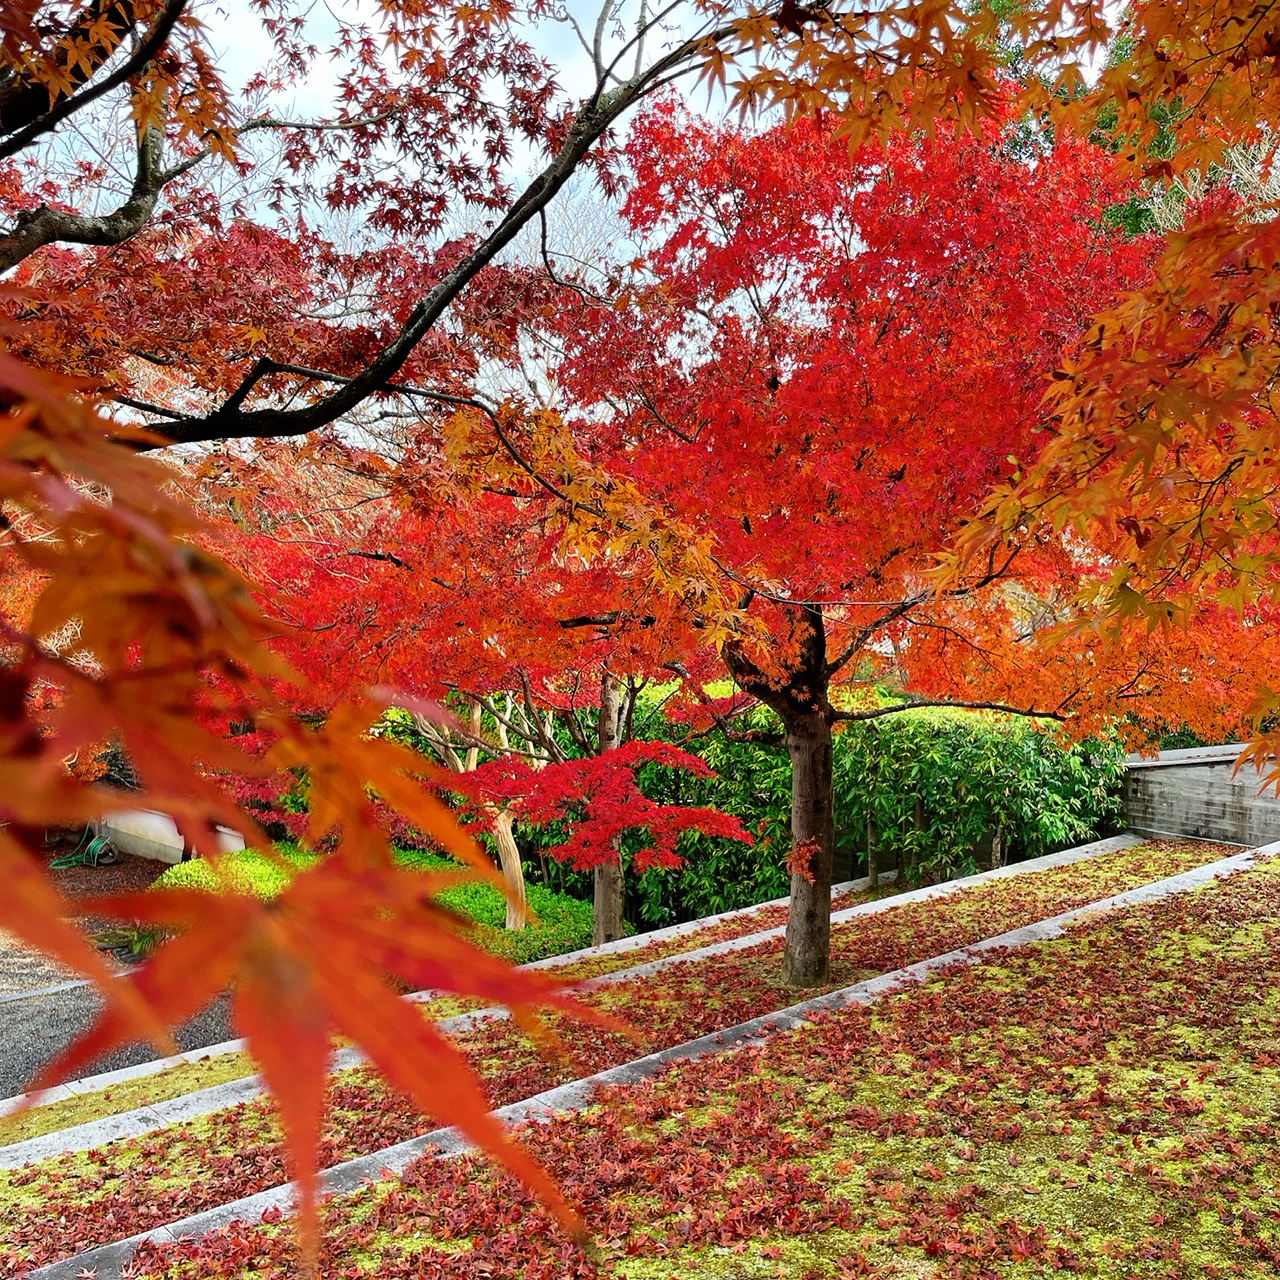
x=200 y=1102
x=107 y=1261
x=109 y=1079
x=13 y=996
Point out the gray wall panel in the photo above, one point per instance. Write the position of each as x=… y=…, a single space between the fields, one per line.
x=1183 y=793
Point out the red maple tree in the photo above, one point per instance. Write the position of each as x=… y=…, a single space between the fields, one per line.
x=387 y=578
x=791 y=399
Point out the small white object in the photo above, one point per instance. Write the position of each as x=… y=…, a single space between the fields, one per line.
x=147 y=834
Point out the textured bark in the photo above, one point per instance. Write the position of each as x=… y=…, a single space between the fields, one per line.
x=807 y=959
x=609 y=900
x=512 y=871
x=807 y=716
x=607 y=925
x=36 y=228
x=95 y=35
x=914 y=863
x=997 y=848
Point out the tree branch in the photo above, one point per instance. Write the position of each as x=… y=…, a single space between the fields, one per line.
x=878 y=712
x=231 y=421
x=38 y=227
x=864 y=634
x=19 y=100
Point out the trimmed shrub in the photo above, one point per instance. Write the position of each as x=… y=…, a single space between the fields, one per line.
x=972 y=772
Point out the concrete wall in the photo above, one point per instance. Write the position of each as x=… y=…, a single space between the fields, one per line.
x=1199 y=793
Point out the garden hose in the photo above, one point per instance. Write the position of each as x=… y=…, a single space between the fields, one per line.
x=92 y=851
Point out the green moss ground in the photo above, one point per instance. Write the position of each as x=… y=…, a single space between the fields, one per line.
x=1100 y=875
x=1105 y=1105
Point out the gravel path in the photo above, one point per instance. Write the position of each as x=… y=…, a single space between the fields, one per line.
x=34 y=1027
x=23 y=969
x=43 y=1006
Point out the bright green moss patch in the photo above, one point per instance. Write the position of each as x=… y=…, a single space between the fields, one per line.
x=798 y=1109
x=172 y=1082
x=563 y=923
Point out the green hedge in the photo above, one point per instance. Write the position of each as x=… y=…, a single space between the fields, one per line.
x=938 y=783
x=971 y=771
x=564 y=923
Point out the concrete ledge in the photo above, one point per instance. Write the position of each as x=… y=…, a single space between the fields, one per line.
x=640 y=940
x=143 y=1120
x=108 y=1079
x=108 y=1261
x=1229 y=753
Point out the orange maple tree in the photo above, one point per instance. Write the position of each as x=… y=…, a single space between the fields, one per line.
x=776 y=497
x=164 y=630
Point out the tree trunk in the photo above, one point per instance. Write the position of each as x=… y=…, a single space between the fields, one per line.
x=919 y=840
x=609 y=900
x=997 y=848
x=807 y=959
x=512 y=872
x=873 y=872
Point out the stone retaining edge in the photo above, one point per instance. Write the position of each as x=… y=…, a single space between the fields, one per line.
x=106 y=1262
x=107 y=1079
x=143 y=1120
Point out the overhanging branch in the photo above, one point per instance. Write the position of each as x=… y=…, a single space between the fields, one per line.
x=233 y=421
x=876 y=713
x=20 y=99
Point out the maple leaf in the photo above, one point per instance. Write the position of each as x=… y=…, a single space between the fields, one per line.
x=320 y=961
x=305 y=969
x=792 y=17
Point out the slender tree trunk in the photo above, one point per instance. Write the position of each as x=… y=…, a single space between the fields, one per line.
x=807 y=959
x=802 y=702
x=504 y=837
x=873 y=872
x=997 y=848
x=609 y=899
x=919 y=840
x=873 y=869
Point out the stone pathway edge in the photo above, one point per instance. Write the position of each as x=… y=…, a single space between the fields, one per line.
x=143 y=1120
x=106 y=1262
x=108 y=1079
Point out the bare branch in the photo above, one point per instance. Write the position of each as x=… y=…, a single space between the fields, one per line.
x=592 y=120
x=876 y=713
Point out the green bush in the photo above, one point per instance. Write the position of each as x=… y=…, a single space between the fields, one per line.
x=971 y=771
x=246 y=870
x=564 y=924
x=938 y=783
x=753 y=783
